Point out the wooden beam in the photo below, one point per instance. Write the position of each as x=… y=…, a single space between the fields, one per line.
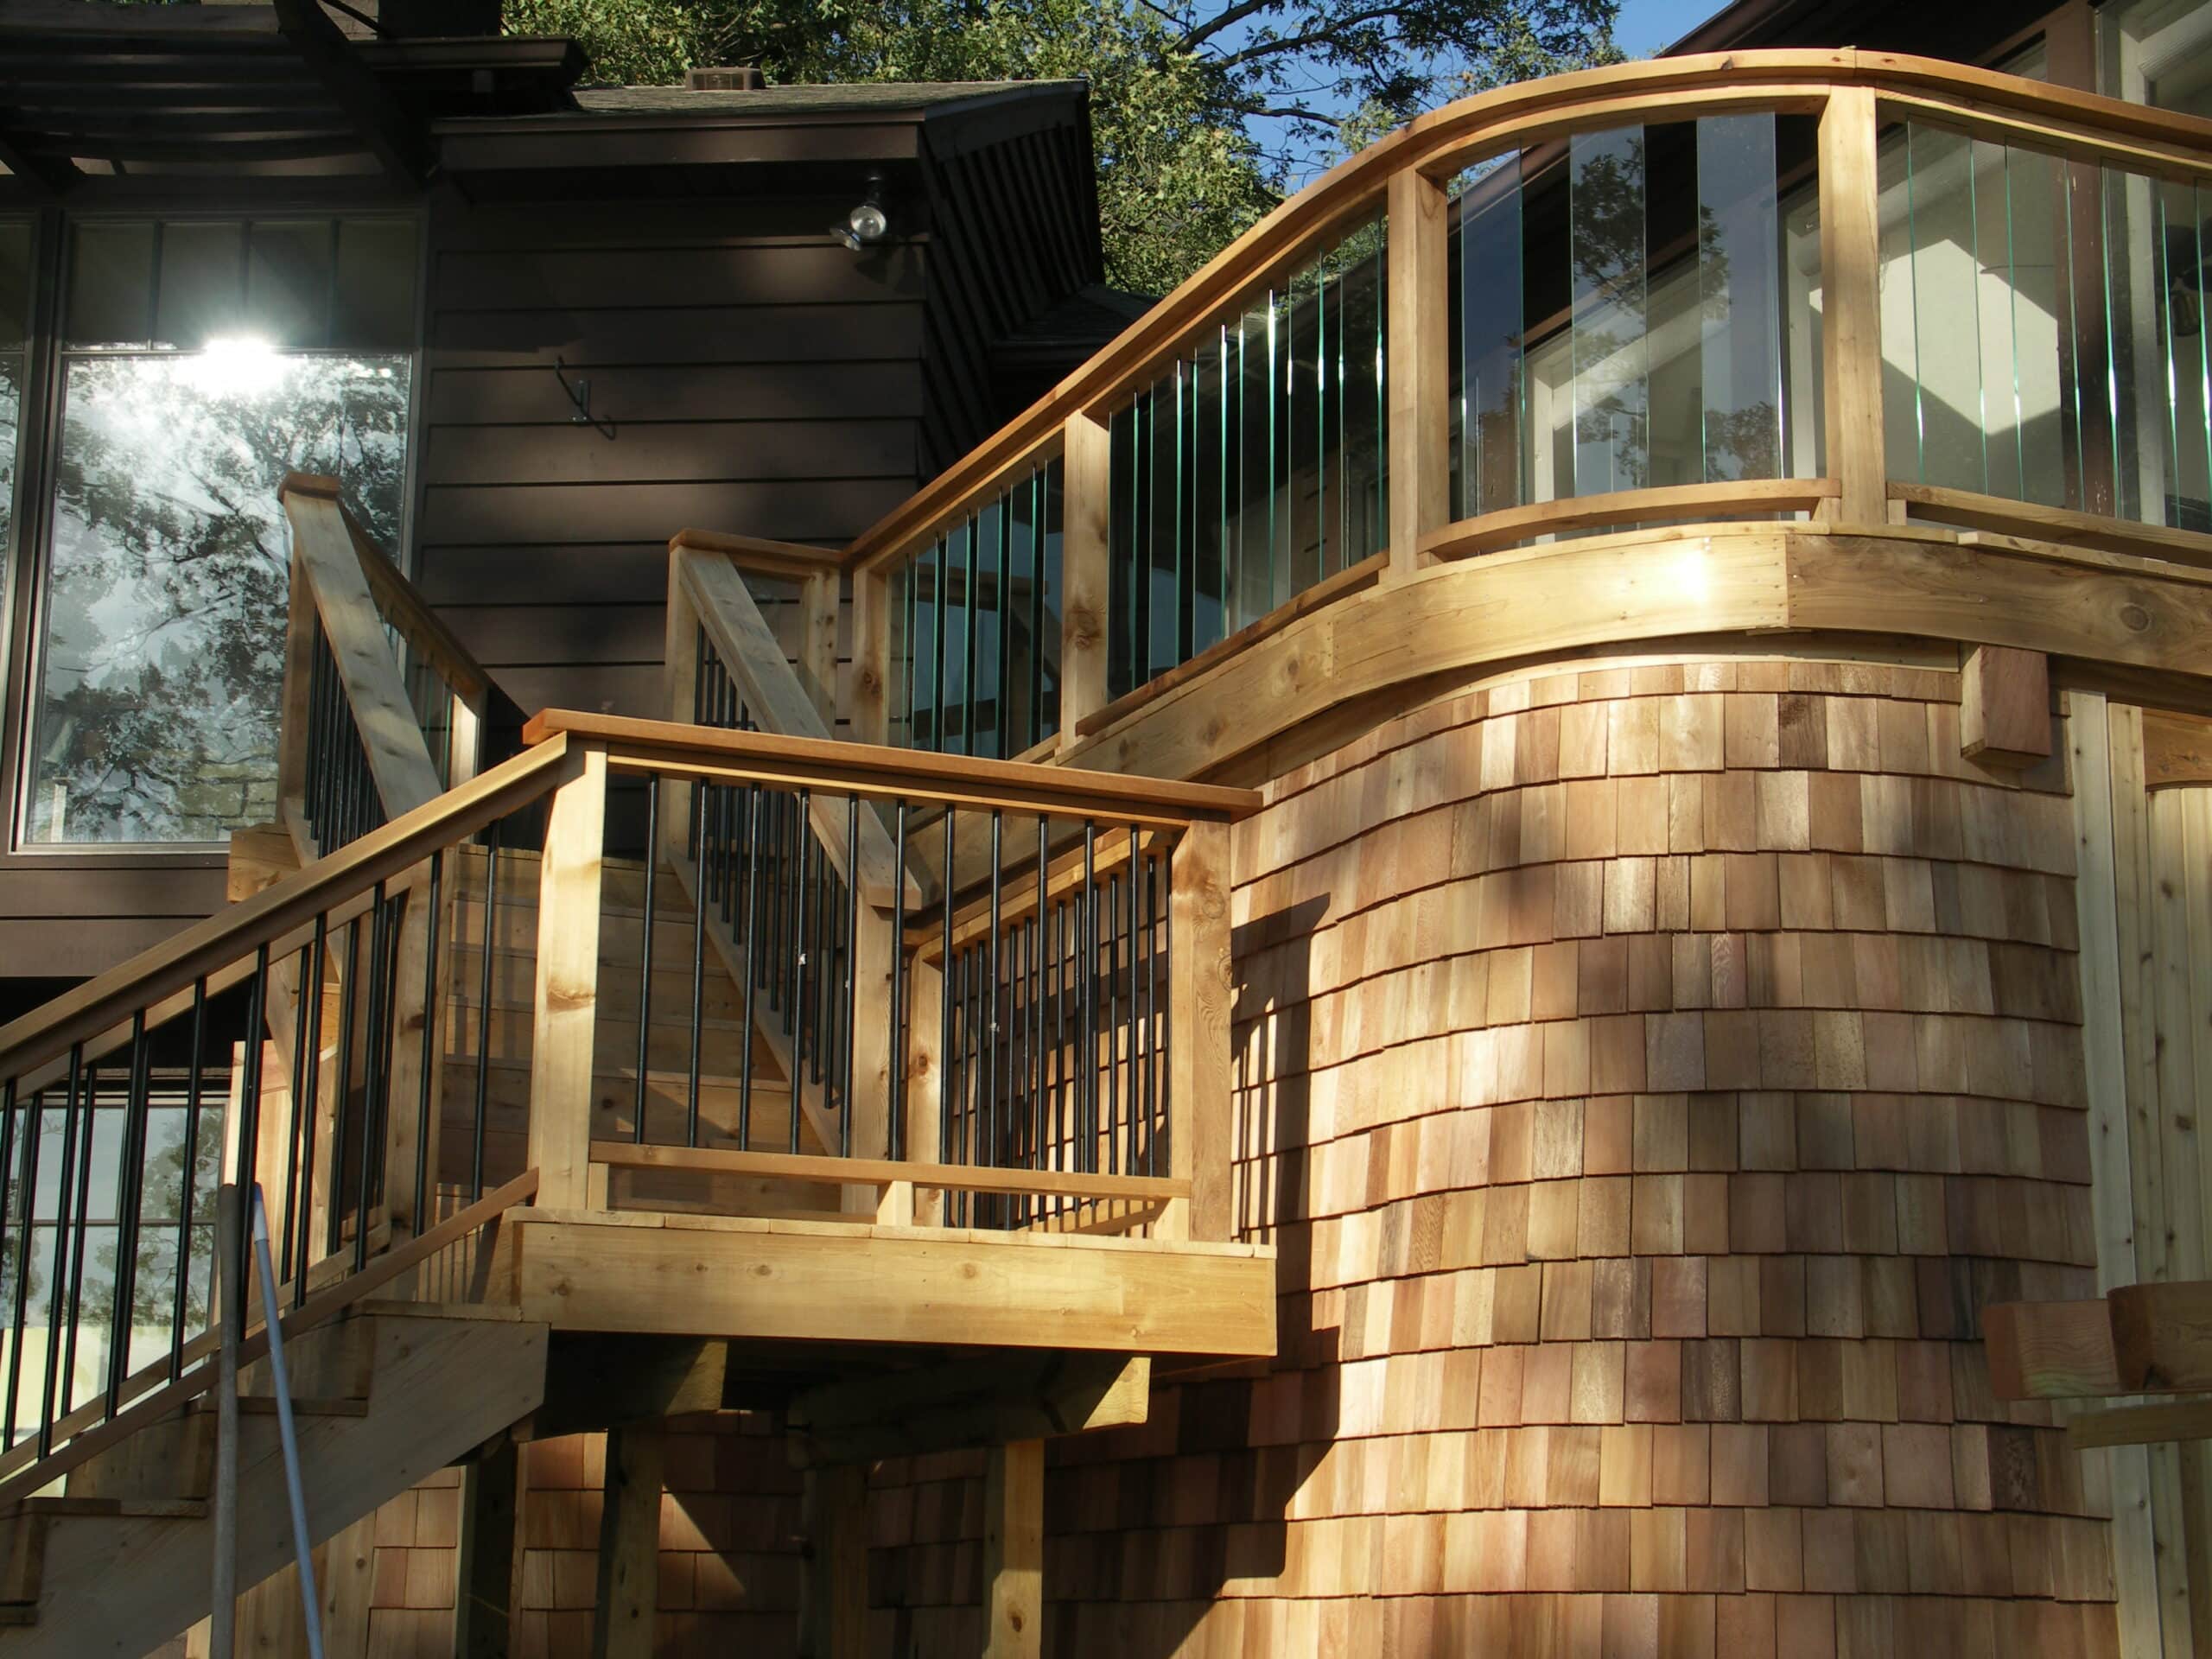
x=883 y=1172
x=629 y=1544
x=965 y=1404
x=1014 y=1552
x=595 y=1382
x=2162 y=1337
x=2005 y=707
x=1086 y=568
x=484 y=1589
x=2177 y=749
x=847 y=1282
x=565 y=1022
x=2050 y=1350
x=1420 y=317
x=833 y=1602
x=385 y=130
x=2177 y=1420
x=1851 y=320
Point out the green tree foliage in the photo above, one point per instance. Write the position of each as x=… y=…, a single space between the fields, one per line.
x=1204 y=112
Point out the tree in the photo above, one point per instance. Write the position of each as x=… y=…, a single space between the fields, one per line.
x=1204 y=112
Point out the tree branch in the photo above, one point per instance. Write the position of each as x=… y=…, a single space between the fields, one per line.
x=1228 y=18
x=1260 y=50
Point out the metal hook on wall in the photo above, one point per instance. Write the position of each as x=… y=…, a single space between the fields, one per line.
x=579 y=395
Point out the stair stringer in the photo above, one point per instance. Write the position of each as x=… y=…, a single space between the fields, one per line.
x=116 y=1588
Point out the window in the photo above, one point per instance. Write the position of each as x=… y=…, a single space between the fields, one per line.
x=201 y=361
x=15 y=354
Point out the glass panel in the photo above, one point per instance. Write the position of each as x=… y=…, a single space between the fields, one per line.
x=1739 y=246
x=111 y=300
x=1801 y=260
x=2038 y=250
x=164 y=621
x=201 y=295
x=288 y=281
x=15 y=334
x=375 y=303
x=1489 y=402
x=1610 y=363
x=1253 y=531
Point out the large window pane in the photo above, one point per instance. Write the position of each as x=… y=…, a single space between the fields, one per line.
x=164 y=617
x=15 y=337
x=1611 y=361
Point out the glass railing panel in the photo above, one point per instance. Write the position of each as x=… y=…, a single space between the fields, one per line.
x=1633 y=309
x=974 y=643
x=1252 y=467
x=2043 y=332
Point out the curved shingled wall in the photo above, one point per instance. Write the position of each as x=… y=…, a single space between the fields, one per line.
x=1648 y=1071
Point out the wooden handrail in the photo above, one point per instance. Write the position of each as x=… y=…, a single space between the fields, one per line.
x=884 y=1171
x=1460 y=133
x=1972 y=511
x=785 y=561
x=1761 y=496
x=210 y=946
x=872 y=770
x=26 y=1476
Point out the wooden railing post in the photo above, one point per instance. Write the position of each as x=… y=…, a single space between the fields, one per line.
x=818 y=643
x=1200 y=1070
x=1421 y=458
x=924 y=1084
x=567 y=1002
x=1851 y=320
x=870 y=710
x=1086 y=583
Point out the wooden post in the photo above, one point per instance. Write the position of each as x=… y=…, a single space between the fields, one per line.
x=817 y=643
x=873 y=1057
x=1014 y=1552
x=1420 y=325
x=464 y=742
x=2005 y=707
x=629 y=1544
x=1851 y=321
x=567 y=983
x=870 y=712
x=833 y=1605
x=484 y=1584
x=1086 y=581
x=418 y=986
x=1199 y=1057
x=292 y=725
x=925 y=1098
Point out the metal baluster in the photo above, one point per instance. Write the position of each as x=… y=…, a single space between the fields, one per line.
x=750 y=956
x=1087 y=1000
x=8 y=1227
x=1038 y=1155
x=895 y=1080
x=645 y=958
x=19 y=1314
x=130 y=1199
x=82 y=1209
x=993 y=1032
x=300 y=1196
x=795 y=1017
x=699 y=808
x=303 y=1021
x=1155 y=1076
x=486 y=947
x=1140 y=1024
x=1114 y=1058
x=429 y=1057
x=191 y=1166
x=1060 y=1148
x=945 y=1035
x=375 y=1051
x=849 y=1016
x=59 y=1277
x=349 y=990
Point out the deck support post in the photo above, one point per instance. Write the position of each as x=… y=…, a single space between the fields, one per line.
x=1201 y=1074
x=1014 y=1552
x=484 y=1589
x=833 y=1604
x=1086 y=569
x=629 y=1544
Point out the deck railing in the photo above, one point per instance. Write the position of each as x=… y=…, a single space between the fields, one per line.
x=1021 y=1022
x=1842 y=284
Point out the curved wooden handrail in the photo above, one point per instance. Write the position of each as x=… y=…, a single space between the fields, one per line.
x=1452 y=137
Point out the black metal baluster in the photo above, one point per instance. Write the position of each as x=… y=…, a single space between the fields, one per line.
x=1039 y=1156
x=301 y=1195
x=699 y=809
x=993 y=1032
x=81 y=1208
x=795 y=1015
x=849 y=1004
x=1114 y=1054
x=185 y=1204
x=1155 y=1081
x=945 y=1001
x=130 y=1197
x=486 y=945
x=303 y=1023
x=750 y=958
x=59 y=1280
x=1087 y=1000
x=1061 y=1160
x=19 y=1312
x=1140 y=1022
x=645 y=957
x=349 y=989
x=895 y=1077
x=375 y=1046
x=429 y=1057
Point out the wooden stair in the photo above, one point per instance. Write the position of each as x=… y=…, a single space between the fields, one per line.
x=118 y=1561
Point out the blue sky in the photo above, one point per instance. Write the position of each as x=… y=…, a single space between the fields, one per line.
x=1647 y=26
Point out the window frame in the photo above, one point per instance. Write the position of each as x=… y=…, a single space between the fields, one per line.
x=23 y=605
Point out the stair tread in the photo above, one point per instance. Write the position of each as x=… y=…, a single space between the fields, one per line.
x=162 y=1509
x=264 y=1405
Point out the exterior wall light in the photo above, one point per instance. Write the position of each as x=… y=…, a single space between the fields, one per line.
x=867 y=224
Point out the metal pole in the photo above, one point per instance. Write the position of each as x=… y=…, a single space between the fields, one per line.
x=270 y=1314
x=223 y=1613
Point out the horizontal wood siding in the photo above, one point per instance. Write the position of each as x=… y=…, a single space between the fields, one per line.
x=756 y=377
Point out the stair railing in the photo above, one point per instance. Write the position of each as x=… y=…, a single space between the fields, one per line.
x=1027 y=1029
x=158 y=1073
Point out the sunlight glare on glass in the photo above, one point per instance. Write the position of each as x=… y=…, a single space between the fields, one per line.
x=239 y=366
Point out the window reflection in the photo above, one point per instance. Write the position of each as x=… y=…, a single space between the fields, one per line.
x=15 y=336
x=204 y=361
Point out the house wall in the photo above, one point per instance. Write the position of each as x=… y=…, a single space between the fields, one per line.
x=1648 y=1073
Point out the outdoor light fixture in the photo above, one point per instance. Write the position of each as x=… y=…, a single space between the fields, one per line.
x=867 y=224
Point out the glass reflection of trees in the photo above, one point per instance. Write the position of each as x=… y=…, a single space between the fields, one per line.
x=167 y=587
